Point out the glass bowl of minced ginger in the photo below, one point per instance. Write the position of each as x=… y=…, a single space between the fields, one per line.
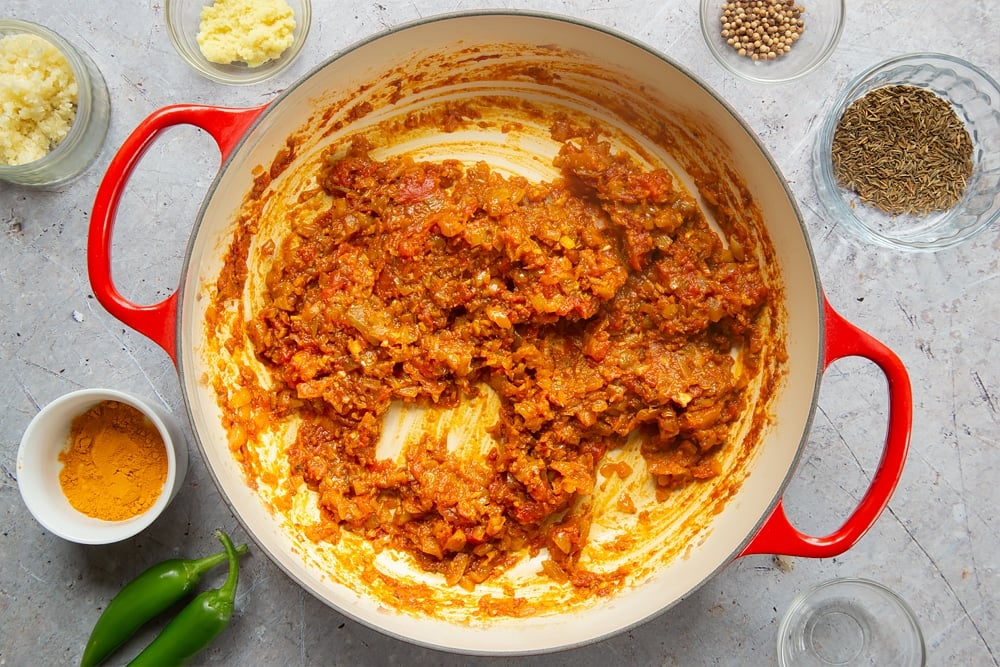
x=238 y=41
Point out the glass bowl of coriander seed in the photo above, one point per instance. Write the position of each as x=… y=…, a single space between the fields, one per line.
x=909 y=155
x=772 y=41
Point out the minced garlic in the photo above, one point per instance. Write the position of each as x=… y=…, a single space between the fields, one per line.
x=249 y=31
x=38 y=96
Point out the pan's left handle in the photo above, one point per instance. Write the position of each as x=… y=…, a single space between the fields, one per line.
x=778 y=535
x=156 y=321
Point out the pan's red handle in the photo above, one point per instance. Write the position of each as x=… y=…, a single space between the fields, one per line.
x=778 y=535
x=156 y=321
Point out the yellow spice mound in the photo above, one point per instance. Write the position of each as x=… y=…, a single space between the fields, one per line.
x=38 y=95
x=249 y=31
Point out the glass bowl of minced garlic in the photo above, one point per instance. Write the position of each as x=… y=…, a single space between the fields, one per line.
x=772 y=41
x=238 y=41
x=55 y=104
x=909 y=155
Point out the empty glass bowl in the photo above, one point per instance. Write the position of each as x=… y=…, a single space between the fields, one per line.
x=847 y=623
x=183 y=18
x=824 y=23
x=975 y=98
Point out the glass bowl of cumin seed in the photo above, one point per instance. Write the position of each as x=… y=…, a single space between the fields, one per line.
x=909 y=156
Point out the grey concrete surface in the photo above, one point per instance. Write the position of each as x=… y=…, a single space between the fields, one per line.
x=937 y=545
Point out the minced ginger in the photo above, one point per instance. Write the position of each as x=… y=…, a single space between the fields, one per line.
x=249 y=31
x=38 y=97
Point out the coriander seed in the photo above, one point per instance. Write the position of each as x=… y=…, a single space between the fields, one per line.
x=762 y=29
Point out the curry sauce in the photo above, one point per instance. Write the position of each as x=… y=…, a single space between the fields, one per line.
x=597 y=308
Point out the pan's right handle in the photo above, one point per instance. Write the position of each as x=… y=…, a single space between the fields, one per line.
x=778 y=535
x=156 y=321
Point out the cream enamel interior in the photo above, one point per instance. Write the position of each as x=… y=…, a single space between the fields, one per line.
x=658 y=85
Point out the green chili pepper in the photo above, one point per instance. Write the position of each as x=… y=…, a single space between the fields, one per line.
x=142 y=599
x=198 y=623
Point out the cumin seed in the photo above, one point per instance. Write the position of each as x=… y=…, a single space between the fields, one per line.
x=903 y=149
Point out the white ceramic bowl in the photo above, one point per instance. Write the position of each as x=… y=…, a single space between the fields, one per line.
x=38 y=468
x=183 y=18
x=824 y=23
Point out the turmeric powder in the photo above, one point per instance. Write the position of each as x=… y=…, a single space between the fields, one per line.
x=115 y=465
